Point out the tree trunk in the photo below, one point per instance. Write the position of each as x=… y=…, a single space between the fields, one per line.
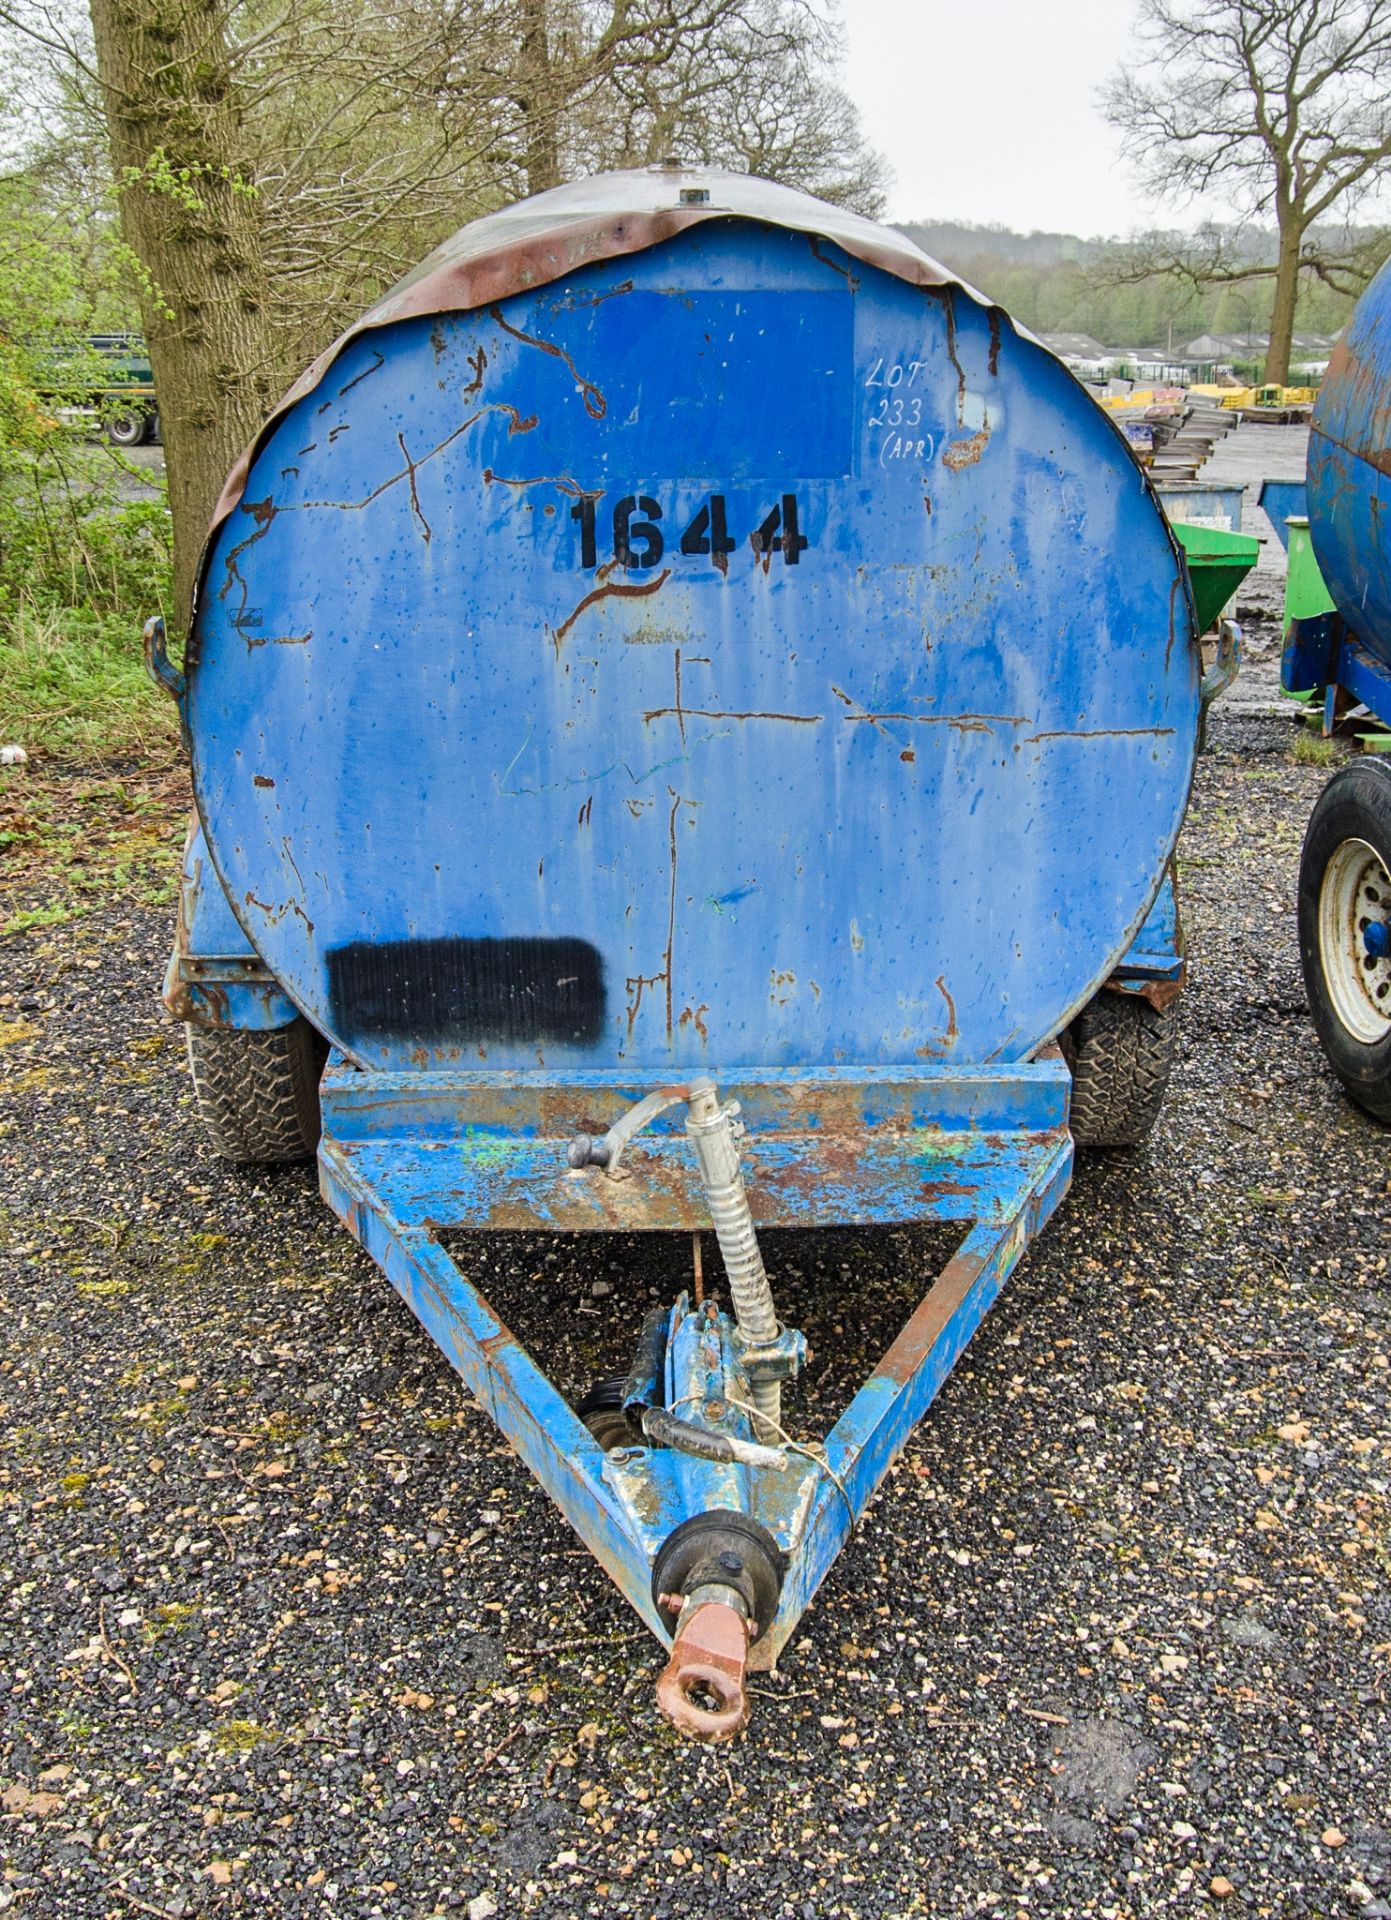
x=539 y=105
x=191 y=218
x=1277 y=359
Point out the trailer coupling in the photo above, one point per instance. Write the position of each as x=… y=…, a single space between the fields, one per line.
x=717 y=1396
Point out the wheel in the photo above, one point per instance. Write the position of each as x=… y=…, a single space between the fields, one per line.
x=602 y=1412
x=1345 y=929
x=1121 y=1052
x=258 y=1093
x=128 y=429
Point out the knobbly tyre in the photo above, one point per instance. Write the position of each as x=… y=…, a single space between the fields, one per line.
x=690 y=713
x=1338 y=651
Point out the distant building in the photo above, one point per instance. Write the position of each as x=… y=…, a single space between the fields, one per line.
x=1155 y=364
x=1086 y=357
x=1182 y=366
x=1074 y=346
x=1227 y=349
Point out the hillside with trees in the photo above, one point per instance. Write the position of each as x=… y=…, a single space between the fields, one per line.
x=1277 y=108
x=1062 y=283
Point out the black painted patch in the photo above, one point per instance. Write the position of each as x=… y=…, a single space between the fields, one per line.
x=529 y=991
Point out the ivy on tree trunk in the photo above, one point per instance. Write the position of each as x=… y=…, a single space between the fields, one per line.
x=190 y=216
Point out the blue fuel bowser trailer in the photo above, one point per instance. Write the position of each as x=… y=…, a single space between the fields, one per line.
x=690 y=714
x=1338 y=647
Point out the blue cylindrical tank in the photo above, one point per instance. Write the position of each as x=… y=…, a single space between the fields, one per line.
x=680 y=624
x=1350 y=471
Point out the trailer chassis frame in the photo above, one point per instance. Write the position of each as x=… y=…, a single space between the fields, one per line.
x=406 y=1157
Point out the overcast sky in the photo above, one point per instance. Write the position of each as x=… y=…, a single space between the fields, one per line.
x=986 y=110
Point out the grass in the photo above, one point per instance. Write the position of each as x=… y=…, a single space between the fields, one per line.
x=241 y=1736
x=170 y=1616
x=73 y=688
x=33 y=917
x=108 y=1290
x=94 y=817
x=1312 y=750
x=68 y=845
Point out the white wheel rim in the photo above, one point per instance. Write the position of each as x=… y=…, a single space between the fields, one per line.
x=1356 y=894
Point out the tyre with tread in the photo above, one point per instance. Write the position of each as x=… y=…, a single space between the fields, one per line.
x=601 y=1410
x=258 y=1093
x=1345 y=928
x=1121 y=1052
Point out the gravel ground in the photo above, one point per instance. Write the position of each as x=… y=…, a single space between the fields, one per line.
x=287 y=1630
x=148 y=460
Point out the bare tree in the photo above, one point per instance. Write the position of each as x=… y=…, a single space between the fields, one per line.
x=754 y=94
x=277 y=166
x=1284 y=107
x=377 y=134
x=741 y=83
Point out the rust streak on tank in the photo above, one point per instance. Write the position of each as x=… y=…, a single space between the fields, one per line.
x=416 y=509
x=696 y=1016
x=574 y=302
x=275 y=914
x=851 y=279
x=517 y=423
x=995 y=1052
x=635 y=986
x=676 y=805
x=965 y=453
x=561 y=481
x=944 y=294
x=1099 y=733
x=595 y=405
x=964 y=722
x=717 y=713
x=953 y=1032
x=378 y=360
x=611 y=589
x=262 y=513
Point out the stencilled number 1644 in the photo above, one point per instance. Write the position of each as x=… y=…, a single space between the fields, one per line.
x=638 y=540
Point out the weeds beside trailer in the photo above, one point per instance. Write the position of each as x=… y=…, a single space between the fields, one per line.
x=695 y=711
